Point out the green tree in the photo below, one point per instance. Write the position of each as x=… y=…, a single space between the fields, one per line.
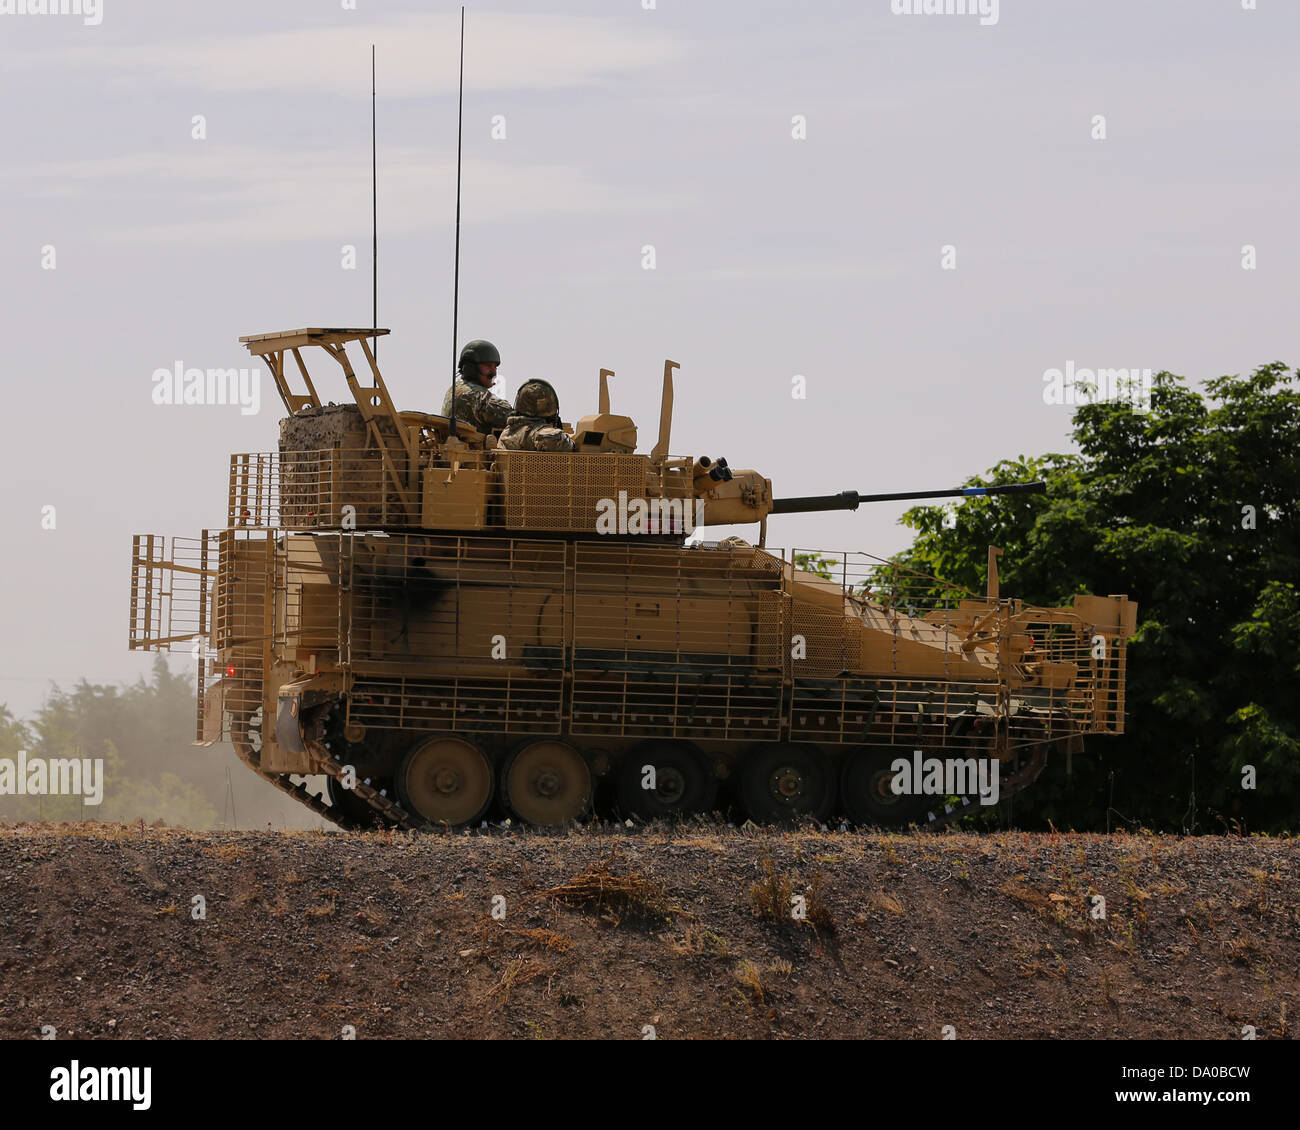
x=820 y=564
x=14 y=735
x=1192 y=510
x=152 y=771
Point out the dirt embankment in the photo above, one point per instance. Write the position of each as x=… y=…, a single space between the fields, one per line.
x=694 y=932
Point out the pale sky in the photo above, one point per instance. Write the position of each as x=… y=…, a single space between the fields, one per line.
x=624 y=127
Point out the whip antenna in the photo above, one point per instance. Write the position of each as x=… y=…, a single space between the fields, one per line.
x=455 y=286
x=374 y=214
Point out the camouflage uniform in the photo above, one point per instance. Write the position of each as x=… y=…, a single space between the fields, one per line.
x=476 y=405
x=534 y=433
x=534 y=423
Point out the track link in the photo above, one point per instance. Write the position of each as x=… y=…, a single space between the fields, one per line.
x=299 y=793
x=1016 y=783
x=325 y=762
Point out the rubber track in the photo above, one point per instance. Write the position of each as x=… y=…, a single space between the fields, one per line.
x=390 y=811
x=1014 y=784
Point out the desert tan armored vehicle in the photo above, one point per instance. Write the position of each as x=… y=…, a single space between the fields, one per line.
x=449 y=631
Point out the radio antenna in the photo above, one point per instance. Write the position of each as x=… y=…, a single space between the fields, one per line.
x=455 y=286
x=374 y=213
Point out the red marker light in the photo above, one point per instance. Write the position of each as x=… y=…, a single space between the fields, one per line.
x=230 y=670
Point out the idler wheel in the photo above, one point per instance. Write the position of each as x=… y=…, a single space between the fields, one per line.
x=680 y=784
x=547 y=783
x=780 y=784
x=445 y=780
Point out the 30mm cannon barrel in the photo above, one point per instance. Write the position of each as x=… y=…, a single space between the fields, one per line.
x=851 y=499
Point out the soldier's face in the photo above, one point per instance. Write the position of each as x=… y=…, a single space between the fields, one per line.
x=487 y=372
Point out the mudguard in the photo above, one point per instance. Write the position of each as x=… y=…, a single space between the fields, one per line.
x=295 y=699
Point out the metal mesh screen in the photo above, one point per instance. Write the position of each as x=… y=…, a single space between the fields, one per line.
x=305 y=490
x=548 y=491
x=671 y=642
x=893 y=657
x=440 y=631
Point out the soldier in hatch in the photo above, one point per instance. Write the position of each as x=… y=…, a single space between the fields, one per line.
x=535 y=422
x=475 y=403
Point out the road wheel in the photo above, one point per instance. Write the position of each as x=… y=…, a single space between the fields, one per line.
x=783 y=783
x=867 y=793
x=445 y=780
x=547 y=783
x=662 y=779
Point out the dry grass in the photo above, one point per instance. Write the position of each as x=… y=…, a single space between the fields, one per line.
x=698 y=943
x=819 y=914
x=750 y=980
x=1241 y=951
x=1045 y=962
x=770 y=896
x=614 y=898
x=1061 y=910
x=518 y=972
x=497 y=936
x=373 y=916
x=1137 y=897
x=1026 y=895
x=711 y=845
x=886 y=902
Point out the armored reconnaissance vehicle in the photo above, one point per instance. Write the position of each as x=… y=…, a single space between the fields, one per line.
x=448 y=630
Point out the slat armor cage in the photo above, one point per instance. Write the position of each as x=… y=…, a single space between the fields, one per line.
x=432 y=584
x=615 y=638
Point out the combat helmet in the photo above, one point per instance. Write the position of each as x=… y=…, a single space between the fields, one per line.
x=537 y=398
x=478 y=352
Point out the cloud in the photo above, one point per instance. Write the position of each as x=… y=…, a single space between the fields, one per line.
x=417 y=54
x=212 y=193
x=243 y=193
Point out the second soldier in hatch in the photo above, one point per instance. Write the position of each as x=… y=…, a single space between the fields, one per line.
x=534 y=425
x=475 y=403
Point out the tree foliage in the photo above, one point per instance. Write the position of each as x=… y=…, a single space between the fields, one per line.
x=1192 y=510
x=143 y=734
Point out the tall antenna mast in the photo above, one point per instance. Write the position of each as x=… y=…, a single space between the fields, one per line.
x=374 y=214
x=455 y=289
